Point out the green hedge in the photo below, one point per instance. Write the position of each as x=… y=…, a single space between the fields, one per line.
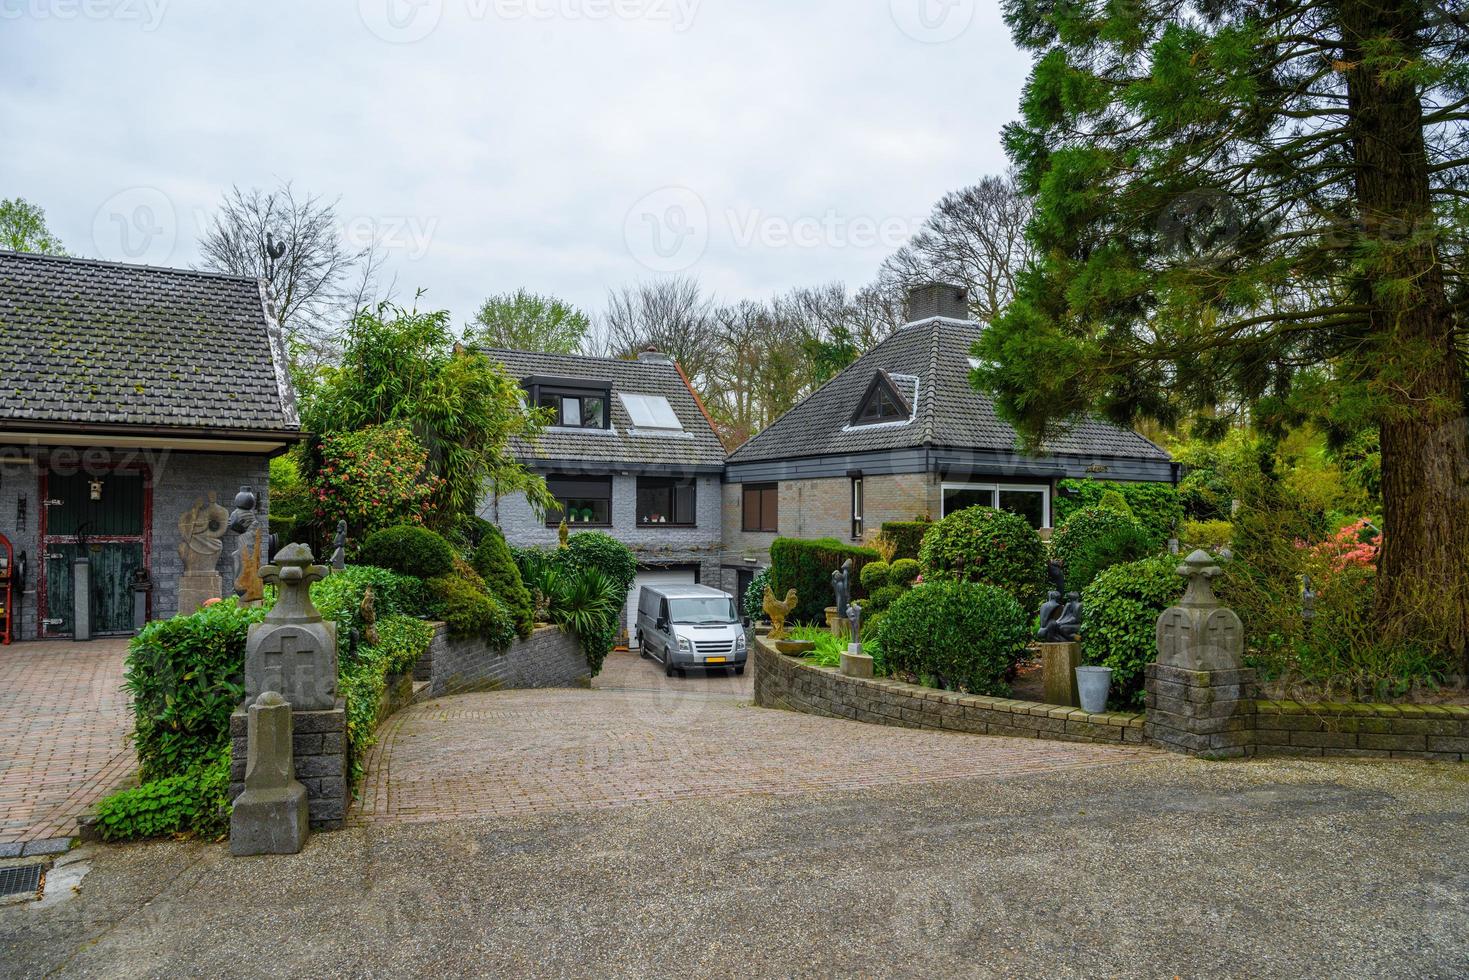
x=1095 y=538
x=469 y=610
x=955 y=635
x=981 y=544
x=753 y=603
x=338 y=597
x=806 y=566
x=1156 y=506
x=1119 y=621
x=495 y=563
x=408 y=550
x=907 y=535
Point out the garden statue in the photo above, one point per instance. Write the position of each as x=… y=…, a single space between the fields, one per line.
x=563 y=534
x=841 y=585
x=854 y=614
x=339 y=547
x=201 y=540
x=294 y=644
x=1050 y=609
x=1200 y=633
x=252 y=550
x=271 y=816
x=368 y=612
x=1056 y=577
x=778 y=611
x=1060 y=623
x=1308 y=600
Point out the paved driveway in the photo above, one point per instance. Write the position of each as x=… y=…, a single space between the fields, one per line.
x=638 y=737
x=64 y=721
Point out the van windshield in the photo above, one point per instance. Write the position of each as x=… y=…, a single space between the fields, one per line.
x=703 y=611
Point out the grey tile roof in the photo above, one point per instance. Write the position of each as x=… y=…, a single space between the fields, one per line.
x=623 y=444
x=102 y=343
x=949 y=413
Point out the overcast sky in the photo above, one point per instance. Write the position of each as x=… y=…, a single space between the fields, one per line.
x=568 y=146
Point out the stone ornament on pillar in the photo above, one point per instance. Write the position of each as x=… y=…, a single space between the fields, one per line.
x=1200 y=633
x=201 y=532
x=271 y=816
x=293 y=639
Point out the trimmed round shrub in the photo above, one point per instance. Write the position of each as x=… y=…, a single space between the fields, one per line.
x=955 y=634
x=981 y=544
x=496 y=565
x=874 y=575
x=1095 y=538
x=408 y=550
x=1119 y=621
x=594 y=549
x=469 y=611
x=884 y=597
x=1114 y=501
x=905 y=571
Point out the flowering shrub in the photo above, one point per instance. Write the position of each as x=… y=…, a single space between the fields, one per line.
x=372 y=478
x=1354 y=546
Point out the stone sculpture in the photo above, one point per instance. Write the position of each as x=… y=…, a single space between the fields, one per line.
x=778 y=610
x=294 y=639
x=1200 y=633
x=368 y=613
x=271 y=816
x=201 y=532
x=841 y=585
x=1060 y=623
x=254 y=547
x=1308 y=601
x=339 y=547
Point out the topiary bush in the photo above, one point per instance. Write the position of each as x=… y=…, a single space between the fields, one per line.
x=408 y=550
x=1155 y=506
x=875 y=575
x=496 y=565
x=1209 y=535
x=1114 y=501
x=185 y=676
x=883 y=597
x=955 y=635
x=1119 y=621
x=594 y=549
x=469 y=610
x=905 y=571
x=908 y=536
x=981 y=544
x=806 y=566
x=1095 y=538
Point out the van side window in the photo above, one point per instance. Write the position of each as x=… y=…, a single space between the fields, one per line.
x=663 y=611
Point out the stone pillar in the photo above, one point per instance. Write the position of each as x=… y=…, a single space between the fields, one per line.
x=271 y=815
x=81 y=599
x=1058 y=672
x=1200 y=696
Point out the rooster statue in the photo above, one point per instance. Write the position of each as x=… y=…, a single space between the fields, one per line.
x=778 y=611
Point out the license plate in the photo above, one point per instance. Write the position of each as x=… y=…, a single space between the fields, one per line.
x=716 y=660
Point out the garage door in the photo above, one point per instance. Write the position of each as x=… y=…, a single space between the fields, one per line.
x=653 y=576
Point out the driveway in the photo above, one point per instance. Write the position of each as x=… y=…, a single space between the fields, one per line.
x=638 y=737
x=64 y=720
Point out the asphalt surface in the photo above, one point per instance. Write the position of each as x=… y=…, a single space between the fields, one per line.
x=1170 y=868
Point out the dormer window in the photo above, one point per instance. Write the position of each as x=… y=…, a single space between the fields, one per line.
x=572 y=404
x=883 y=402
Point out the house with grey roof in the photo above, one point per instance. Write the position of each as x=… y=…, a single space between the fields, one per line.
x=631 y=452
x=901 y=434
x=135 y=402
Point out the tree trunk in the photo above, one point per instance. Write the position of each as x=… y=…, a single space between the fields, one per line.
x=1423 y=568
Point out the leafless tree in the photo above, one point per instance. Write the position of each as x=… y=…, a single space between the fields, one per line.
x=295 y=243
x=671 y=314
x=974 y=238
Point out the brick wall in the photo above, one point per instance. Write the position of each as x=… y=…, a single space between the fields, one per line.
x=1398 y=731
x=786 y=682
x=548 y=658
x=319 y=747
x=823 y=509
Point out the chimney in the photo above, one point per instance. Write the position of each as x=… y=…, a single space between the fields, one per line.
x=938 y=299
x=654 y=355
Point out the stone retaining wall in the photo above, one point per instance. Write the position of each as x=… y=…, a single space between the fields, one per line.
x=547 y=658
x=1398 y=731
x=787 y=682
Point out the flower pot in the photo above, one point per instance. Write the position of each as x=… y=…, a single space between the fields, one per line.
x=1092 y=684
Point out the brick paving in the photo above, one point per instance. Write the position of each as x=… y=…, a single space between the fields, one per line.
x=638 y=737
x=63 y=741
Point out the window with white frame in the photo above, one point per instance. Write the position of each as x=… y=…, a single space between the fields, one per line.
x=1030 y=501
x=650 y=411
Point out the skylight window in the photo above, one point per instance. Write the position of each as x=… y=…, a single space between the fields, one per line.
x=650 y=411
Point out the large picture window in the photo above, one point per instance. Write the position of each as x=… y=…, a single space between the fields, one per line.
x=1032 y=502
x=761 y=507
x=666 y=501
x=582 y=500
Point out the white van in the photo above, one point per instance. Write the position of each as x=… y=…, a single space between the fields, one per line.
x=683 y=626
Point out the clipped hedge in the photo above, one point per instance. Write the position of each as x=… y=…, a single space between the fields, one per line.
x=469 y=610
x=806 y=566
x=875 y=574
x=1119 y=621
x=905 y=571
x=955 y=635
x=338 y=597
x=594 y=549
x=408 y=550
x=495 y=563
x=754 y=598
x=907 y=535
x=1096 y=538
x=981 y=544
x=1157 y=507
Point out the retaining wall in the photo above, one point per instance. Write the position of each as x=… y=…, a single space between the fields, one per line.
x=547 y=658
x=1398 y=731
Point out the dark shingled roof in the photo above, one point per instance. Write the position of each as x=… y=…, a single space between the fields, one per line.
x=699 y=446
x=102 y=343
x=949 y=413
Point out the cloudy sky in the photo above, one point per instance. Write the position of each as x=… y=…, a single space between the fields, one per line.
x=568 y=146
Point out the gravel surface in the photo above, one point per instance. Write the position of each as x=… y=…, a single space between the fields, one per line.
x=1175 y=867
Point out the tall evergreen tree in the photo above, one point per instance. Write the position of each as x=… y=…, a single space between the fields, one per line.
x=1260 y=206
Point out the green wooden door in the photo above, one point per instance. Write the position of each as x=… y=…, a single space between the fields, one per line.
x=114 y=528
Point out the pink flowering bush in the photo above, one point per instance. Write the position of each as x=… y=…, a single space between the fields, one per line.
x=1354 y=546
x=373 y=478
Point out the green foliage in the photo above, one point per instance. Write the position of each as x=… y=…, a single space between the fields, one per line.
x=905 y=571
x=1114 y=501
x=338 y=597
x=603 y=552
x=23 y=228
x=523 y=320
x=495 y=563
x=981 y=544
x=806 y=566
x=408 y=550
x=588 y=602
x=185 y=677
x=830 y=647
x=1209 y=535
x=875 y=574
x=372 y=478
x=955 y=635
x=404 y=367
x=1120 y=611
x=362 y=679
x=754 y=599
x=908 y=535
x=883 y=596
x=1095 y=538
x=1155 y=506
x=195 y=801
x=469 y=610
x=292 y=508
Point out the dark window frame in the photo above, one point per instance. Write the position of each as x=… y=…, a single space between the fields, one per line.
x=559 y=392
x=671 y=485
x=764 y=493
x=890 y=403
x=579 y=488
x=859 y=506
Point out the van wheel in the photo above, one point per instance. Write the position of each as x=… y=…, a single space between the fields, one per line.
x=667 y=668
x=740 y=671
x=643 y=651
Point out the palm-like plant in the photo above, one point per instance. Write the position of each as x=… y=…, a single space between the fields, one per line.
x=585 y=602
